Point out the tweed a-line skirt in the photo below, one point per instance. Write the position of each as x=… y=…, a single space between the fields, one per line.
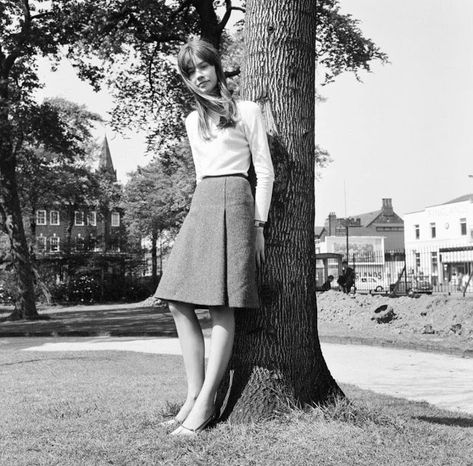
x=212 y=262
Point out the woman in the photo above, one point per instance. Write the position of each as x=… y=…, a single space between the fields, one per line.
x=213 y=261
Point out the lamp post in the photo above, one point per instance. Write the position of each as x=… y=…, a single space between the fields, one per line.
x=347 y=223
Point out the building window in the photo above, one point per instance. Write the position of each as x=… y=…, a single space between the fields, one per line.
x=463 y=226
x=54 y=243
x=40 y=217
x=54 y=217
x=92 y=218
x=433 y=230
x=79 y=218
x=115 y=219
x=41 y=243
x=417 y=231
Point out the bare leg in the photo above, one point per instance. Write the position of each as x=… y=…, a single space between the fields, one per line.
x=221 y=344
x=193 y=352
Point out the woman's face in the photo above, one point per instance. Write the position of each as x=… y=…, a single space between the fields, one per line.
x=203 y=76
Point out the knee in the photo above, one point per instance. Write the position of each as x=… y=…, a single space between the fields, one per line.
x=222 y=314
x=173 y=308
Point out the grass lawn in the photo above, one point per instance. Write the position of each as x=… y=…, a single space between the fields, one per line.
x=104 y=408
x=97 y=320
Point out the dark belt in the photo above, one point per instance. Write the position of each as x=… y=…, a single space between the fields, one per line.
x=240 y=175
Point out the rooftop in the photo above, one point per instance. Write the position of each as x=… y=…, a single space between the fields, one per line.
x=465 y=197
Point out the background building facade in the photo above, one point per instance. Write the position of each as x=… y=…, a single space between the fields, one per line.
x=439 y=242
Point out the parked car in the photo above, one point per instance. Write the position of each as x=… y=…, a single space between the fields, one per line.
x=422 y=286
x=369 y=284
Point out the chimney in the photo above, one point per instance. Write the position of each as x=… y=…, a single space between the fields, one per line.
x=332 y=220
x=387 y=208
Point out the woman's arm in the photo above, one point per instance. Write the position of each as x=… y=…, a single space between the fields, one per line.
x=261 y=157
x=191 y=128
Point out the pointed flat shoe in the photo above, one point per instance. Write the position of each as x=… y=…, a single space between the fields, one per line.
x=183 y=430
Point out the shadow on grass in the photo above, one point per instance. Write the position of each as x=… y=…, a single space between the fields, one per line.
x=110 y=322
x=448 y=421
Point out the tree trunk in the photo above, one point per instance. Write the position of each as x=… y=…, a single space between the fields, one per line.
x=277 y=358
x=107 y=220
x=25 y=307
x=70 y=225
x=154 y=258
x=208 y=21
x=33 y=229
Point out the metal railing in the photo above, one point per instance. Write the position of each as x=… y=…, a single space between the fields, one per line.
x=422 y=270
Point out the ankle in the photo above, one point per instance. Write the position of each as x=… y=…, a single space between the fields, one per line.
x=191 y=399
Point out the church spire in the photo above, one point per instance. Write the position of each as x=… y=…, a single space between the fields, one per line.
x=106 y=163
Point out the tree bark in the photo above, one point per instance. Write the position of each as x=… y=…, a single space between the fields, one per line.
x=71 y=208
x=154 y=258
x=25 y=307
x=277 y=359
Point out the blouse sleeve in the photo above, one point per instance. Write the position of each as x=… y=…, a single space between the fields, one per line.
x=258 y=142
x=198 y=172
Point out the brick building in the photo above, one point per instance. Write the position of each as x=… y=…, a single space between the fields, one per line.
x=383 y=223
x=374 y=241
x=90 y=229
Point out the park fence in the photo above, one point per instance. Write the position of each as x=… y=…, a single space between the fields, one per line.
x=425 y=270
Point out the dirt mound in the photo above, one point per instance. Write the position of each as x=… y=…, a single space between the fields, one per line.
x=428 y=318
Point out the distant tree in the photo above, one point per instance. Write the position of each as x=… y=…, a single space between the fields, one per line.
x=56 y=174
x=157 y=197
x=322 y=159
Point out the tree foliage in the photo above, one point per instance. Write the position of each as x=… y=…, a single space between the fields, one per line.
x=158 y=195
x=340 y=43
x=55 y=153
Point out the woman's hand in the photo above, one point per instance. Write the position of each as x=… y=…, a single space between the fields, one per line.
x=259 y=246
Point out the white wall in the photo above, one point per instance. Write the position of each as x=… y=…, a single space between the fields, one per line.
x=448 y=234
x=447 y=220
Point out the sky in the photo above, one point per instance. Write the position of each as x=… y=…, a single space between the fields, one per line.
x=403 y=133
x=406 y=131
x=128 y=150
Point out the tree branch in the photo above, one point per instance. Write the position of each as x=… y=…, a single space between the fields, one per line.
x=26 y=11
x=42 y=15
x=226 y=16
x=22 y=35
x=235 y=72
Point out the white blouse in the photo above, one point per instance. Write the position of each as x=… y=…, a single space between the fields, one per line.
x=230 y=151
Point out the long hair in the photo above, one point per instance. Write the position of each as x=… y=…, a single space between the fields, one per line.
x=219 y=106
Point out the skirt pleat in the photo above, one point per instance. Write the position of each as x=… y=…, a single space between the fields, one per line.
x=212 y=262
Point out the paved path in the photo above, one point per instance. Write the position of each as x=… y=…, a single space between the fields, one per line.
x=443 y=380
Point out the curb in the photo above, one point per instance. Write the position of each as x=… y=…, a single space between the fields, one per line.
x=87 y=333
x=387 y=343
